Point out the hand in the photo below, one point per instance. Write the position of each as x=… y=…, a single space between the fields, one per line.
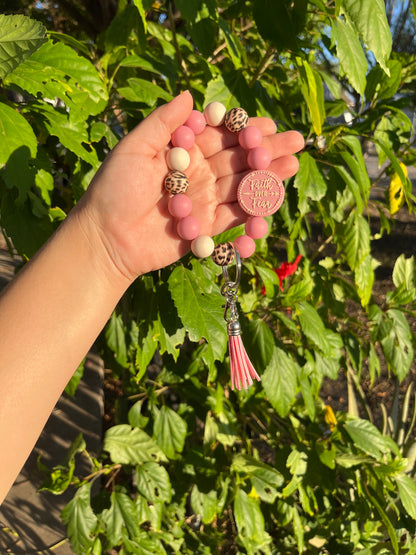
x=127 y=203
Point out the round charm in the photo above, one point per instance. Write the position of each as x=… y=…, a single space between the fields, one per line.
x=260 y=193
x=236 y=120
x=176 y=182
x=223 y=254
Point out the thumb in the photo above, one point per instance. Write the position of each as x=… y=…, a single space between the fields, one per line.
x=155 y=131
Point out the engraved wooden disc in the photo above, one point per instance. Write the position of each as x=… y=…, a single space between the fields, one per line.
x=260 y=193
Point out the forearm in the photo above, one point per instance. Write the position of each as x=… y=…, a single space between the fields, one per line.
x=49 y=317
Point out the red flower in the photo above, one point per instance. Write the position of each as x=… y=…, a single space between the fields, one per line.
x=285 y=270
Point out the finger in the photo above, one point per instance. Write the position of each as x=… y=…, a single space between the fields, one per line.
x=154 y=132
x=216 y=139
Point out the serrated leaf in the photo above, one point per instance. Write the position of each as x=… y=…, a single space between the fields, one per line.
x=258 y=339
x=169 y=431
x=249 y=520
x=20 y=36
x=127 y=445
x=204 y=504
x=369 y=17
x=15 y=133
x=142 y=90
x=355 y=239
x=309 y=182
x=313 y=327
x=397 y=343
x=367 y=437
x=198 y=302
x=279 y=381
x=72 y=134
x=404 y=272
x=80 y=520
x=407 y=492
x=115 y=335
x=233 y=45
x=153 y=482
x=73 y=383
x=56 y=70
x=122 y=514
x=280 y=22
x=350 y=54
x=266 y=480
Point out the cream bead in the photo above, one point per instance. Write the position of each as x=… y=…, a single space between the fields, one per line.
x=215 y=114
x=203 y=246
x=178 y=159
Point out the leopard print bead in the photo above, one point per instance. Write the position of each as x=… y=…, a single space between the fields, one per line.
x=223 y=254
x=176 y=182
x=236 y=120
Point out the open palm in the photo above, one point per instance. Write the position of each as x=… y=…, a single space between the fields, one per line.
x=127 y=200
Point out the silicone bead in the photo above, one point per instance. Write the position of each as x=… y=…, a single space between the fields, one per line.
x=250 y=137
x=180 y=206
x=178 y=159
x=196 y=122
x=245 y=246
x=236 y=120
x=256 y=227
x=183 y=137
x=223 y=254
x=259 y=158
x=203 y=246
x=176 y=182
x=189 y=228
x=215 y=114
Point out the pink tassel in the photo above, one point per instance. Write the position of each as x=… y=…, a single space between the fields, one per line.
x=242 y=371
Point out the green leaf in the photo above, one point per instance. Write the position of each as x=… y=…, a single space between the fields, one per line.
x=250 y=521
x=364 y=279
x=407 y=492
x=350 y=53
x=80 y=520
x=279 y=381
x=153 y=482
x=309 y=182
x=170 y=432
x=128 y=445
x=204 y=35
x=115 y=335
x=369 y=17
x=73 y=383
x=258 y=339
x=357 y=166
x=121 y=515
x=269 y=279
x=397 y=343
x=72 y=134
x=404 y=272
x=142 y=13
x=204 y=504
x=367 y=437
x=20 y=36
x=198 y=302
x=313 y=327
x=234 y=48
x=355 y=238
x=15 y=133
x=313 y=93
x=142 y=90
x=266 y=480
x=56 y=70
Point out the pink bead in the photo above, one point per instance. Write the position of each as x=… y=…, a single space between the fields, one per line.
x=250 y=137
x=189 y=228
x=183 y=137
x=259 y=158
x=196 y=122
x=256 y=227
x=180 y=206
x=245 y=246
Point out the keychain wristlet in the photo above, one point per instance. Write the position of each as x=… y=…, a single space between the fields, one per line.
x=259 y=194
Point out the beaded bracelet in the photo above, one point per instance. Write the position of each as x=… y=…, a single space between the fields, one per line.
x=259 y=194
